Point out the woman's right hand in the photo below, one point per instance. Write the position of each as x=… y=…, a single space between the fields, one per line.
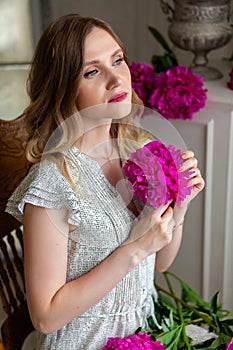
x=153 y=231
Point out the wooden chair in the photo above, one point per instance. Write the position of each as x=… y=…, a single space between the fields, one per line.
x=13 y=167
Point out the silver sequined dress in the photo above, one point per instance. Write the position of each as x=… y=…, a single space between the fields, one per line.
x=102 y=223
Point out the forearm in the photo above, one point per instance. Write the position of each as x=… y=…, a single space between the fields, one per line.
x=77 y=296
x=179 y=214
x=166 y=255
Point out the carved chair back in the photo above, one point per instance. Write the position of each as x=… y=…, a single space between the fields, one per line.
x=13 y=168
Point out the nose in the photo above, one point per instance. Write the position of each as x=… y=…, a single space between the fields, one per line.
x=113 y=80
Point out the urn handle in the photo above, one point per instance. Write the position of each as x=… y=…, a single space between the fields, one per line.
x=167 y=9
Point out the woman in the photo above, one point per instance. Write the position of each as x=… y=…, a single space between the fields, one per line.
x=89 y=255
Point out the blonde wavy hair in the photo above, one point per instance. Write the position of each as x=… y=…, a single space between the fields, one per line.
x=52 y=86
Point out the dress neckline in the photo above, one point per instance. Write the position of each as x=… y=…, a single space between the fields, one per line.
x=92 y=162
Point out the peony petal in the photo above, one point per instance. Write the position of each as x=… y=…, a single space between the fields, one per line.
x=159 y=180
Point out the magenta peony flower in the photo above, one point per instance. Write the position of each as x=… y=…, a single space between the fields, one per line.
x=153 y=173
x=230 y=345
x=230 y=83
x=138 y=341
x=143 y=80
x=178 y=93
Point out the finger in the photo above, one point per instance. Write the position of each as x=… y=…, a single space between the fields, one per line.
x=157 y=213
x=190 y=163
x=187 y=154
x=194 y=173
x=167 y=215
x=197 y=181
x=167 y=221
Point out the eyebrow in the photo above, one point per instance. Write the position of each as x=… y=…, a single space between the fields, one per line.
x=88 y=63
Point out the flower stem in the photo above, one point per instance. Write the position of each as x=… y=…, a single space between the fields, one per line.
x=200 y=315
x=173 y=294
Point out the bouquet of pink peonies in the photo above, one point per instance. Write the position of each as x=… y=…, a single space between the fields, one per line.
x=155 y=176
x=175 y=94
x=230 y=345
x=138 y=341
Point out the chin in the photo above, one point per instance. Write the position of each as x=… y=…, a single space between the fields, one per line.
x=119 y=110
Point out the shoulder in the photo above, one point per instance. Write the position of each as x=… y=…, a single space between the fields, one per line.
x=46 y=173
x=44 y=186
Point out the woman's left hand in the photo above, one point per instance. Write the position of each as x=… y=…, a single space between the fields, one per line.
x=195 y=180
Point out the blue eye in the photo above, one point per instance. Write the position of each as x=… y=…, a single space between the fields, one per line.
x=118 y=61
x=91 y=73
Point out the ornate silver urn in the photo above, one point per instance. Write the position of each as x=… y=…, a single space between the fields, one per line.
x=200 y=26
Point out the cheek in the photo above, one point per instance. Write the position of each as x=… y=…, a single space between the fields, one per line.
x=79 y=100
x=127 y=74
x=129 y=83
x=129 y=80
x=84 y=98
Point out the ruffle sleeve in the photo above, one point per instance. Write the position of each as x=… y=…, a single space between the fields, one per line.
x=46 y=187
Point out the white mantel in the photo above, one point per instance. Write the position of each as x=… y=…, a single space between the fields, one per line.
x=209 y=225
x=220 y=262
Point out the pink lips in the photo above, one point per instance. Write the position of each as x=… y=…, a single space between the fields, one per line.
x=118 y=97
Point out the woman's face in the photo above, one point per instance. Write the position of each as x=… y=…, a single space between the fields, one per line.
x=106 y=77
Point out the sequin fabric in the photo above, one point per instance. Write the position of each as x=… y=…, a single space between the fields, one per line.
x=102 y=222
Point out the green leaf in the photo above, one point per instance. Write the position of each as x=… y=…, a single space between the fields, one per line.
x=228 y=322
x=171 y=320
x=161 y=312
x=224 y=338
x=163 y=63
x=167 y=338
x=218 y=344
x=165 y=300
x=205 y=315
x=214 y=306
x=171 y=338
x=158 y=36
x=205 y=345
x=190 y=295
x=165 y=327
x=152 y=324
x=226 y=329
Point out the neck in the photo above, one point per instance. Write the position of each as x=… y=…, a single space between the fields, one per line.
x=96 y=142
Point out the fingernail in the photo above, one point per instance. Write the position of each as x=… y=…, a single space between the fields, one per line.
x=183 y=155
x=193 y=173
